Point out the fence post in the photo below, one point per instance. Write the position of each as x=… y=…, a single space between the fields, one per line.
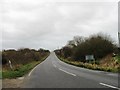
x=10 y=65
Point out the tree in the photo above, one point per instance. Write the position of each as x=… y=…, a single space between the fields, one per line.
x=67 y=52
x=78 y=40
x=97 y=45
x=4 y=60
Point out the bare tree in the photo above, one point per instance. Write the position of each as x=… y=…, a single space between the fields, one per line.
x=78 y=40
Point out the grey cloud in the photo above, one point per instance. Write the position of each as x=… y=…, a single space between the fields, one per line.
x=51 y=25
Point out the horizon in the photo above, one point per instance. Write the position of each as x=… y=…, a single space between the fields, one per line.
x=116 y=43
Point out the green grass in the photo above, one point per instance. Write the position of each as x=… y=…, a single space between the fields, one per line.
x=0 y=74
x=117 y=58
x=19 y=72
x=89 y=66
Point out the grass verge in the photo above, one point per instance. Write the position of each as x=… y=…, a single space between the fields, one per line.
x=117 y=58
x=24 y=69
x=90 y=66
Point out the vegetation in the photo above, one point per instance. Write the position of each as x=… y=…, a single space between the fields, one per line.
x=105 y=52
x=96 y=45
x=22 y=61
x=18 y=72
x=92 y=65
x=117 y=58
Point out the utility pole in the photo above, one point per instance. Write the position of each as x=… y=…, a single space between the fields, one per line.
x=119 y=39
x=118 y=26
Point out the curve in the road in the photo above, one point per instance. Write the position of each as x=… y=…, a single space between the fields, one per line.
x=53 y=73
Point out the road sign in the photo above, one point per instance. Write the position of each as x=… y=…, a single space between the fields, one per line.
x=89 y=57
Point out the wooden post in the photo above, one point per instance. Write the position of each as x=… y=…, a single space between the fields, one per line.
x=10 y=65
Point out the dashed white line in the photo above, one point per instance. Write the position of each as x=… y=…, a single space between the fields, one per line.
x=109 y=86
x=67 y=72
x=54 y=65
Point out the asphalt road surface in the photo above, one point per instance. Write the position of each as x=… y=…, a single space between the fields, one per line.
x=53 y=73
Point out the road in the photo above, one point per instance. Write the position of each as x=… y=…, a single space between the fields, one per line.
x=53 y=73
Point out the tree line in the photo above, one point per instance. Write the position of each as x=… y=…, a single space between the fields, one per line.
x=99 y=45
x=22 y=56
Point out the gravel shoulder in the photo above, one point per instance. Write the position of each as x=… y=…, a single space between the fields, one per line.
x=12 y=83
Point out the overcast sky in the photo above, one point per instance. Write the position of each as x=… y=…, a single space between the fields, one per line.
x=50 y=24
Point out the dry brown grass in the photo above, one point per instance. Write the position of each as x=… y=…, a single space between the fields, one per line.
x=109 y=61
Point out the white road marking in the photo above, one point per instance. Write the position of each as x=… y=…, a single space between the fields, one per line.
x=54 y=64
x=116 y=75
x=67 y=72
x=109 y=86
x=32 y=70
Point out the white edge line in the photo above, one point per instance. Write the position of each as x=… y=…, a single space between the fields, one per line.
x=36 y=67
x=32 y=70
x=108 y=85
x=67 y=72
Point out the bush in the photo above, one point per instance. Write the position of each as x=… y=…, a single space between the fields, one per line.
x=4 y=60
x=96 y=45
x=20 y=71
x=22 y=56
x=67 y=52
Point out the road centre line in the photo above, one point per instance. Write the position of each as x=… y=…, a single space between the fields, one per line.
x=109 y=86
x=54 y=65
x=67 y=72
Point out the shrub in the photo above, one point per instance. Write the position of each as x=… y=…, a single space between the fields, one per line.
x=96 y=45
x=22 y=56
x=4 y=60
x=67 y=52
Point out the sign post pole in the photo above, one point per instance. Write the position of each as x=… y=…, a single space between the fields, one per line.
x=10 y=65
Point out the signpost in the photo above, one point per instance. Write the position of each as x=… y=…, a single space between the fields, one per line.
x=90 y=58
x=10 y=65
